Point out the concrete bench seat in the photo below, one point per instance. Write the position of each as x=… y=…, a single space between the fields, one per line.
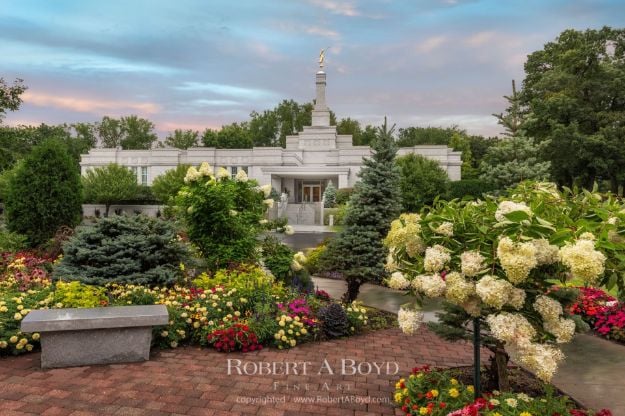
x=86 y=336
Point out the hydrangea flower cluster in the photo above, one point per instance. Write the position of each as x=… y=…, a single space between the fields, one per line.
x=409 y=320
x=498 y=262
x=583 y=260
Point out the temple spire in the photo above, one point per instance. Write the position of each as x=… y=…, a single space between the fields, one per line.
x=321 y=113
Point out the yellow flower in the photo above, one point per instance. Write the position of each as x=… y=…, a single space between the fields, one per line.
x=453 y=382
x=3 y=344
x=17 y=316
x=470 y=389
x=434 y=393
x=398 y=398
x=13 y=339
x=525 y=414
x=423 y=411
x=454 y=393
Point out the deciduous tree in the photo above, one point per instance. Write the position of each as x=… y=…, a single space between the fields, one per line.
x=574 y=93
x=10 y=96
x=182 y=139
x=109 y=184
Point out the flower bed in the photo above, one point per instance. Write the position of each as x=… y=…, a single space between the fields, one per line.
x=602 y=312
x=441 y=392
x=237 y=309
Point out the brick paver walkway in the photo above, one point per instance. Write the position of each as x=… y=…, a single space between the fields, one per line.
x=193 y=381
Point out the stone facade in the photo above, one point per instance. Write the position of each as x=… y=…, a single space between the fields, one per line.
x=301 y=170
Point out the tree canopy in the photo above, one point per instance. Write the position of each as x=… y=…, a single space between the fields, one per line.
x=109 y=184
x=182 y=139
x=43 y=193
x=574 y=92
x=10 y=96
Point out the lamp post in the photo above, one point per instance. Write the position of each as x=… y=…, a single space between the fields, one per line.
x=477 y=385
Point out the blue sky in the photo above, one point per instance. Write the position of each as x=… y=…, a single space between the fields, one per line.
x=204 y=63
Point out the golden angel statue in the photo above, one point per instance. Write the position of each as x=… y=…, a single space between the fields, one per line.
x=322 y=57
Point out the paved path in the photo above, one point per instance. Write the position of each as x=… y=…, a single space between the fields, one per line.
x=592 y=372
x=193 y=381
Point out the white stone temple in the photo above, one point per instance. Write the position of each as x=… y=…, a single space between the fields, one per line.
x=301 y=171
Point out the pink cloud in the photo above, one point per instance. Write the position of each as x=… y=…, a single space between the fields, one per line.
x=88 y=105
x=480 y=38
x=170 y=126
x=430 y=44
x=337 y=7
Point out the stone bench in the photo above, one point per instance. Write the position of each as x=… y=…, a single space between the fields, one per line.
x=75 y=337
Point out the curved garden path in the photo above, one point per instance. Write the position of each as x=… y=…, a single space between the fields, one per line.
x=194 y=381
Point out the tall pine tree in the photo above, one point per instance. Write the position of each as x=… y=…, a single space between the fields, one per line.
x=358 y=251
x=516 y=157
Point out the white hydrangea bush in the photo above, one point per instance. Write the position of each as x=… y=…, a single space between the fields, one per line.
x=499 y=258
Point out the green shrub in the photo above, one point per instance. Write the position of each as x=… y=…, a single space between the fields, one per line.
x=43 y=193
x=338 y=212
x=4 y=183
x=166 y=186
x=278 y=258
x=343 y=195
x=314 y=256
x=78 y=295
x=265 y=326
x=473 y=188
x=11 y=241
x=134 y=249
x=241 y=277
x=421 y=181
x=223 y=215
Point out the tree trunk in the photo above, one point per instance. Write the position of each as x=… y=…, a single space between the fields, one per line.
x=353 y=288
x=106 y=210
x=499 y=368
x=614 y=185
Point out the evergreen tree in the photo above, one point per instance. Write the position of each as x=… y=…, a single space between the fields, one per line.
x=329 y=196
x=43 y=193
x=517 y=157
x=124 y=249
x=358 y=251
x=513 y=117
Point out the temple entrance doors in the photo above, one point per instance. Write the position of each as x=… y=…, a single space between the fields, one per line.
x=311 y=192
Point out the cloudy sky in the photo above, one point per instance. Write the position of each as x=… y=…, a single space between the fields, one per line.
x=203 y=63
